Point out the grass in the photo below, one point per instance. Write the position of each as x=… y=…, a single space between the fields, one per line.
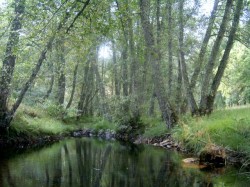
x=229 y=128
x=155 y=127
x=37 y=121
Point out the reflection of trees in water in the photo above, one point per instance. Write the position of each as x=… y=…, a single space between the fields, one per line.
x=57 y=177
x=94 y=163
x=4 y=169
x=69 y=165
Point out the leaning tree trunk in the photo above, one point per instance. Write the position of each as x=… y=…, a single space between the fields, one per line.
x=168 y=112
x=224 y=60
x=170 y=46
x=204 y=46
x=7 y=116
x=212 y=58
x=190 y=96
x=9 y=63
x=51 y=83
x=73 y=86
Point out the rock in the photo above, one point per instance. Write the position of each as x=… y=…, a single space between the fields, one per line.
x=190 y=160
x=169 y=146
x=213 y=154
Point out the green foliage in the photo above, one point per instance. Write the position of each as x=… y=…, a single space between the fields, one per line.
x=155 y=127
x=34 y=122
x=130 y=126
x=96 y=123
x=53 y=109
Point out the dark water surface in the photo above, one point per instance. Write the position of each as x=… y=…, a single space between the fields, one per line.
x=92 y=162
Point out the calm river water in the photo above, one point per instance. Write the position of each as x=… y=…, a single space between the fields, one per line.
x=91 y=162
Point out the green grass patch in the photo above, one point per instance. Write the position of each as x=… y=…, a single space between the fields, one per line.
x=229 y=128
x=37 y=121
x=155 y=127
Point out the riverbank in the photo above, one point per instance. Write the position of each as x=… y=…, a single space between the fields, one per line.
x=226 y=130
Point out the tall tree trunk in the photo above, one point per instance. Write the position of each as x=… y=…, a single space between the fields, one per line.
x=73 y=86
x=125 y=85
x=51 y=83
x=178 y=98
x=224 y=60
x=83 y=93
x=170 y=46
x=212 y=58
x=101 y=88
x=151 y=110
x=192 y=102
x=133 y=70
x=168 y=113
x=61 y=86
x=9 y=62
x=204 y=46
x=117 y=86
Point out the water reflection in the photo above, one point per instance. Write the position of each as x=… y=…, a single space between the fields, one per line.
x=93 y=163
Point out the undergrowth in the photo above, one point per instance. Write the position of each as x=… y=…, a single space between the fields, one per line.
x=228 y=128
x=37 y=121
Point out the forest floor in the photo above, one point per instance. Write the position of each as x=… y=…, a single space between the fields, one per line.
x=228 y=129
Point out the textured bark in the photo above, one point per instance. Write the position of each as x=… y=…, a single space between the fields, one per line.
x=104 y=109
x=125 y=71
x=9 y=62
x=151 y=110
x=178 y=98
x=168 y=113
x=51 y=84
x=170 y=46
x=204 y=46
x=158 y=28
x=190 y=96
x=83 y=93
x=134 y=61
x=116 y=80
x=61 y=82
x=224 y=60
x=213 y=56
x=124 y=55
x=73 y=86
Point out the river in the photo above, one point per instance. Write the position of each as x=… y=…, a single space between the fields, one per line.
x=91 y=162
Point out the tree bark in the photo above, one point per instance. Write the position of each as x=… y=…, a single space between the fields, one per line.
x=204 y=46
x=224 y=60
x=212 y=58
x=73 y=86
x=117 y=85
x=168 y=113
x=61 y=84
x=9 y=62
x=170 y=46
x=52 y=80
x=83 y=93
x=190 y=96
x=103 y=105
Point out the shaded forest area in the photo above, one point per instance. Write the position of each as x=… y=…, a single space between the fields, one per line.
x=167 y=58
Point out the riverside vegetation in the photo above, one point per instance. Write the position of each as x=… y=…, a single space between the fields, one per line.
x=226 y=128
x=137 y=70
